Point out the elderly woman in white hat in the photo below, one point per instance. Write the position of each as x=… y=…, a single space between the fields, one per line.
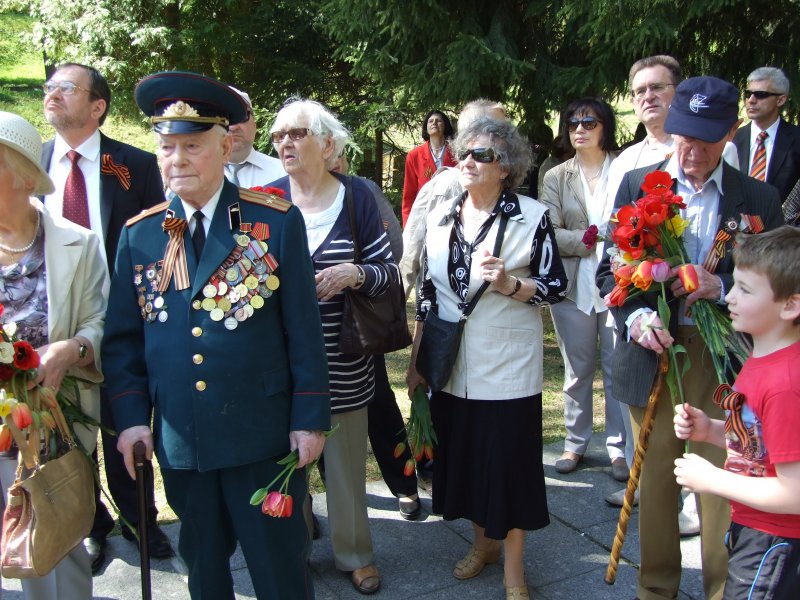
x=53 y=285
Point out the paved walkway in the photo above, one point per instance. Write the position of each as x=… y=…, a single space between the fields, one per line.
x=564 y=561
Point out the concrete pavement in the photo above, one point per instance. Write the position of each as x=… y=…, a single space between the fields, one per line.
x=564 y=561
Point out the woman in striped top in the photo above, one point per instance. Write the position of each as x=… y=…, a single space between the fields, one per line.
x=308 y=139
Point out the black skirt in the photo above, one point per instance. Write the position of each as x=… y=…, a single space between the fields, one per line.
x=488 y=463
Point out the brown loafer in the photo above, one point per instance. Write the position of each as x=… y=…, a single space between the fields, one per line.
x=472 y=564
x=366 y=580
x=568 y=462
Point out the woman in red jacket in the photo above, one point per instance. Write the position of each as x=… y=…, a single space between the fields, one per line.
x=423 y=161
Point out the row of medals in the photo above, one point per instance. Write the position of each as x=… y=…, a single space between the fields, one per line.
x=241 y=284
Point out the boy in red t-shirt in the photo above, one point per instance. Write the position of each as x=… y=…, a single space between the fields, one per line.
x=761 y=431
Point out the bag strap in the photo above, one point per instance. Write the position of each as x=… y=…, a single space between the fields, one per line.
x=498 y=244
x=351 y=213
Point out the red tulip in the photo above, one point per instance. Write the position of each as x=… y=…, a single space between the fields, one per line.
x=5 y=434
x=399 y=449
x=617 y=296
x=25 y=357
x=688 y=277
x=408 y=470
x=653 y=210
x=428 y=448
x=657 y=182
x=21 y=415
x=277 y=505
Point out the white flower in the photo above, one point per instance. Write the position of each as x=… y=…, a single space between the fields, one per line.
x=6 y=353
x=10 y=328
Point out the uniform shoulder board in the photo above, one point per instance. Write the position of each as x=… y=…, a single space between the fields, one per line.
x=269 y=200
x=153 y=210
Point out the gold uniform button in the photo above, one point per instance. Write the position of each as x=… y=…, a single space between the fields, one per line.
x=200 y=386
x=197 y=331
x=197 y=359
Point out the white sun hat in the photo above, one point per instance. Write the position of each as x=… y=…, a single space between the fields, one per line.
x=18 y=134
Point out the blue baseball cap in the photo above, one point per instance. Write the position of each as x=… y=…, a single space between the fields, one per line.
x=704 y=108
x=184 y=102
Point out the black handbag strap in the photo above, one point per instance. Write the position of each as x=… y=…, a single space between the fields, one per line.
x=498 y=244
x=351 y=213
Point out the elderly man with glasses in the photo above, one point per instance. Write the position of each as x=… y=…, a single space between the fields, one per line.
x=769 y=147
x=100 y=183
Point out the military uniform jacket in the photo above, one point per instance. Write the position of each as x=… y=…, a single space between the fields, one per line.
x=222 y=390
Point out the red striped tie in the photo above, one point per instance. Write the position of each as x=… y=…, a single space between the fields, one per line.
x=759 y=168
x=76 y=202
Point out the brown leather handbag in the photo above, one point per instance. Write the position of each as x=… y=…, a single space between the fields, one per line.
x=47 y=514
x=372 y=324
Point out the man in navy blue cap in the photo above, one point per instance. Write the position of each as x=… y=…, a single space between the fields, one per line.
x=213 y=331
x=720 y=202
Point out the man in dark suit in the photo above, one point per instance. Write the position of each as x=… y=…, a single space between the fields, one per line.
x=702 y=117
x=213 y=326
x=766 y=93
x=119 y=182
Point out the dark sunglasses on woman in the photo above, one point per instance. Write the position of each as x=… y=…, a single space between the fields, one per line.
x=481 y=155
x=588 y=123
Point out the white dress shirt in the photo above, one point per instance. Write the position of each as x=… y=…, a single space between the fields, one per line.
x=257 y=169
x=769 y=143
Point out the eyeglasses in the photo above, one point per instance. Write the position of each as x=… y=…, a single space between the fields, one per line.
x=481 y=155
x=759 y=94
x=656 y=88
x=588 y=123
x=295 y=133
x=66 y=87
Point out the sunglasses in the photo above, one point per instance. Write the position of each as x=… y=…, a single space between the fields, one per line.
x=295 y=133
x=588 y=123
x=481 y=155
x=66 y=87
x=759 y=94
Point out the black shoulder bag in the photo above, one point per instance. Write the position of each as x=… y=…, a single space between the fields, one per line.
x=441 y=339
x=376 y=324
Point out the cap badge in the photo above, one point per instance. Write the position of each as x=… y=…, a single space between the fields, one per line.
x=179 y=110
x=697 y=102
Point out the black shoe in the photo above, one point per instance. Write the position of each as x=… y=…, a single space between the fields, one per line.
x=157 y=541
x=409 y=509
x=96 y=548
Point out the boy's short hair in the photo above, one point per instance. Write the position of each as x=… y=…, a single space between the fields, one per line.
x=776 y=254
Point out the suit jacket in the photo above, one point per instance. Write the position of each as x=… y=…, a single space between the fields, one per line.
x=633 y=367
x=220 y=397
x=562 y=193
x=117 y=204
x=77 y=290
x=783 y=170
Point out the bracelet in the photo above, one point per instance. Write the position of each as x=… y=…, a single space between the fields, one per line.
x=517 y=287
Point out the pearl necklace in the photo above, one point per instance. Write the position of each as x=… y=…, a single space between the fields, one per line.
x=28 y=246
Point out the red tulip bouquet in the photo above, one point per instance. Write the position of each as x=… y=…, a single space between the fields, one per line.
x=649 y=250
x=34 y=416
x=421 y=436
x=278 y=503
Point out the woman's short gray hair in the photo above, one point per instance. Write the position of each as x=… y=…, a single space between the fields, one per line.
x=318 y=119
x=514 y=153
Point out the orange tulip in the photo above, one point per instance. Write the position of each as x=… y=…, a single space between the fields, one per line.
x=408 y=470
x=617 y=296
x=428 y=448
x=5 y=439
x=399 y=449
x=642 y=276
x=688 y=278
x=21 y=415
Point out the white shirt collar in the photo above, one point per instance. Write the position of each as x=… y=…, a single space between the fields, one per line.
x=207 y=210
x=673 y=168
x=89 y=149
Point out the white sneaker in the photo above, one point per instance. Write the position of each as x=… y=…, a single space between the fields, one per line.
x=617 y=498
x=688 y=519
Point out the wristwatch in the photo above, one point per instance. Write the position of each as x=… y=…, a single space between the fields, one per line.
x=83 y=349
x=517 y=286
x=360 y=278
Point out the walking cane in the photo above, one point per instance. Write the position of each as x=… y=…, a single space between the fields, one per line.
x=141 y=504
x=636 y=469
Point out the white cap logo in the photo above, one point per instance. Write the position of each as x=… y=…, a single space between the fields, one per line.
x=697 y=102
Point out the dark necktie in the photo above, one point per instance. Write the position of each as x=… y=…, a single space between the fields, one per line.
x=759 y=168
x=76 y=202
x=199 y=235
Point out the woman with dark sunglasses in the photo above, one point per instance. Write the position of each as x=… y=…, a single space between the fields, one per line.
x=575 y=192
x=487 y=417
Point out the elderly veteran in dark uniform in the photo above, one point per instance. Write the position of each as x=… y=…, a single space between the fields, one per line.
x=215 y=333
x=720 y=200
